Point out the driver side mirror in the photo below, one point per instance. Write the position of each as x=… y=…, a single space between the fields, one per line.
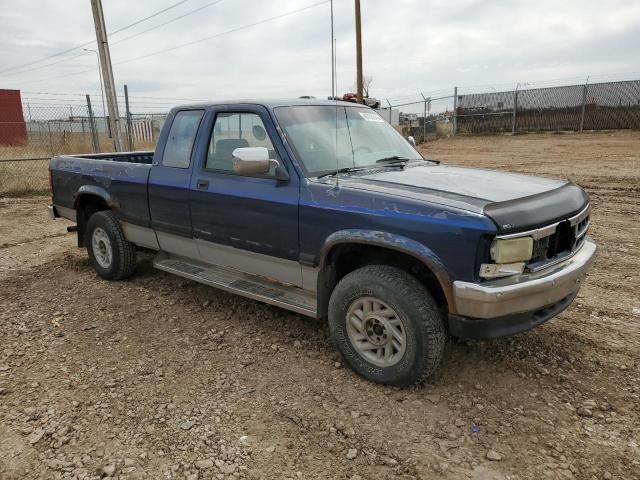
x=252 y=161
x=412 y=141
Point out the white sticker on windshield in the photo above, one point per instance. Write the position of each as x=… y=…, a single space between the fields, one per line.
x=371 y=117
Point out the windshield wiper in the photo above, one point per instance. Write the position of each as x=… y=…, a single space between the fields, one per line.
x=393 y=161
x=340 y=170
x=397 y=160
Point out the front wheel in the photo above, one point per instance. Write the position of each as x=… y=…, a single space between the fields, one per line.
x=111 y=255
x=386 y=325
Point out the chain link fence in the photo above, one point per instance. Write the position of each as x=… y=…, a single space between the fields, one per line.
x=31 y=132
x=598 y=106
x=34 y=129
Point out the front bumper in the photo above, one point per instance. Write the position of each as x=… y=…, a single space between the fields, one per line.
x=539 y=294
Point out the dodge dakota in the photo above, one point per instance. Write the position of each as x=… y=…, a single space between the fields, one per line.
x=323 y=208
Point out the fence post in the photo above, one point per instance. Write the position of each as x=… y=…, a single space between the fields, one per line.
x=50 y=139
x=455 y=110
x=584 y=104
x=389 y=103
x=515 y=108
x=128 y=115
x=424 y=120
x=92 y=126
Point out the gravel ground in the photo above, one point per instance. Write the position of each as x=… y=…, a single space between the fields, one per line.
x=159 y=377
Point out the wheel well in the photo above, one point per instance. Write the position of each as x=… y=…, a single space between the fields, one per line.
x=86 y=206
x=344 y=259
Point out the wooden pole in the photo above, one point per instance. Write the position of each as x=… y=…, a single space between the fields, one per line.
x=107 y=74
x=359 y=79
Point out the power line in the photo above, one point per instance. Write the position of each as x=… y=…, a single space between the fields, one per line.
x=250 y=25
x=47 y=65
x=54 y=95
x=166 y=23
x=122 y=39
x=174 y=5
x=276 y=17
x=59 y=94
x=159 y=12
x=60 y=76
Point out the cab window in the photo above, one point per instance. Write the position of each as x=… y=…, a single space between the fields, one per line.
x=177 y=152
x=233 y=130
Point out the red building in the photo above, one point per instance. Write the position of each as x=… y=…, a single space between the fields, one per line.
x=13 y=130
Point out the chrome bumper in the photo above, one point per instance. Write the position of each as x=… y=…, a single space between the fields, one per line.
x=526 y=292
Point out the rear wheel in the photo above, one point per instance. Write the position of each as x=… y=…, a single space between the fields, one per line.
x=111 y=255
x=386 y=325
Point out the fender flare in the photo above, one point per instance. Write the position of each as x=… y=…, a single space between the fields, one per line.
x=395 y=242
x=95 y=191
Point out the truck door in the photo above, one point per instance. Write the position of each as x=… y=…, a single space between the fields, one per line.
x=246 y=223
x=170 y=177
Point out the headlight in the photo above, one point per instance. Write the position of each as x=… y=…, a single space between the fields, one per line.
x=497 y=270
x=512 y=250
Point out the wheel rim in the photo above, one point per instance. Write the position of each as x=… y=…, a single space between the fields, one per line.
x=101 y=247
x=376 y=331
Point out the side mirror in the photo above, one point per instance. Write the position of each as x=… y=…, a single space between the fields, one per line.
x=252 y=161
x=411 y=140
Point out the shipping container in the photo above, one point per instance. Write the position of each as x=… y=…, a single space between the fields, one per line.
x=13 y=130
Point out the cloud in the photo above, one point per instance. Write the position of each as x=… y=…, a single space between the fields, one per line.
x=410 y=46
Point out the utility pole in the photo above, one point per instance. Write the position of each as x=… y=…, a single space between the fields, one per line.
x=358 y=53
x=107 y=73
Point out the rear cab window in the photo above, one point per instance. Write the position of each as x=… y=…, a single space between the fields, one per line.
x=179 y=145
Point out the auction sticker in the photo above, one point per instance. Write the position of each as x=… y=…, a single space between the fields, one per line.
x=371 y=117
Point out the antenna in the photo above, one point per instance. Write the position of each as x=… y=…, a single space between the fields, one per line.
x=335 y=99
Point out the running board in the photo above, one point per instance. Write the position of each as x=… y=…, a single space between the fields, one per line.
x=257 y=288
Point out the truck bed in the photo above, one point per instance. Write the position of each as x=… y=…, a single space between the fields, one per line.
x=127 y=157
x=122 y=177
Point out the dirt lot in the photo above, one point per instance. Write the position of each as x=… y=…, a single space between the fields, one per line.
x=158 y=377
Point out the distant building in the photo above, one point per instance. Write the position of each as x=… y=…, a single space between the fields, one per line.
x=13 y=130
x=408 y=117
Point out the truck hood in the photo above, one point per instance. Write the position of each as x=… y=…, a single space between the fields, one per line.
x=487 y=185
x=513 y=201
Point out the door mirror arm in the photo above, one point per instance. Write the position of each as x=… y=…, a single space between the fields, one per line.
x=281 y=172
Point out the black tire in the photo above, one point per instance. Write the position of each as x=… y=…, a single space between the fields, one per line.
x=420 y=317
x=122 y=253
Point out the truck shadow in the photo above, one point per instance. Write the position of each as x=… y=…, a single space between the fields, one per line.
x=535 y=353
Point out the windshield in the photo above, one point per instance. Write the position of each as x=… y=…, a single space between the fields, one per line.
x=328 y=138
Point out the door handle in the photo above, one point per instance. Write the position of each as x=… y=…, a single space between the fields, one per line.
x=203 y=184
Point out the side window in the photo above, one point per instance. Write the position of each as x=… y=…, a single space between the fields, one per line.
x=177 y=152
x=236 y=130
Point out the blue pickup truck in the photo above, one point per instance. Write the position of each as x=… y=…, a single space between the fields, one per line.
x=322 y=208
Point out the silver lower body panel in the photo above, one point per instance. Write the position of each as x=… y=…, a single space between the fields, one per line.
x=527 y=292
x=258 y=288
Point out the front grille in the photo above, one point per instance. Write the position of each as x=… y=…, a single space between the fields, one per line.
x=540 y=250
x=565 y=239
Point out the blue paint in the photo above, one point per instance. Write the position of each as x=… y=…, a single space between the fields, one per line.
x=433 y=212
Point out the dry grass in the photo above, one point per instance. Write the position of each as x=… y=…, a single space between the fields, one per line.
x=23 y=177
x=23 y=168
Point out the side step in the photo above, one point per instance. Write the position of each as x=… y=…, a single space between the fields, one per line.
x=257 y=288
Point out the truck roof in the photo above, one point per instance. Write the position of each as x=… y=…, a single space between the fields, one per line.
x=287 y=102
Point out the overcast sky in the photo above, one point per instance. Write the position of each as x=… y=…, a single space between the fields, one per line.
x=410 y=46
